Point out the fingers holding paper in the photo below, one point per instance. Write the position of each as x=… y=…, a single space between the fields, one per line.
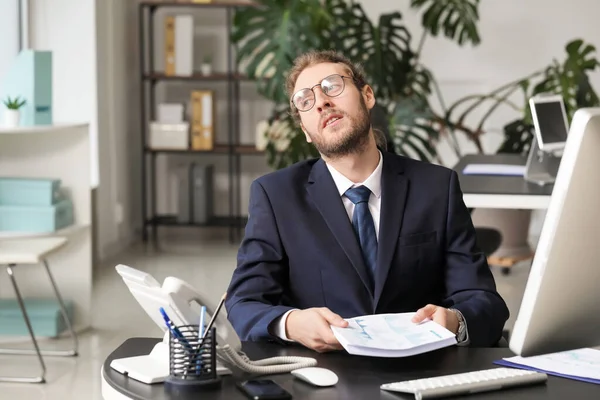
x=443 y=316
x=311 y=328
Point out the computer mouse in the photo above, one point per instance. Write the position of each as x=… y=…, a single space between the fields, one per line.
x=316 y=376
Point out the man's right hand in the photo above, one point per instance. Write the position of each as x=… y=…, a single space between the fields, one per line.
x=311 y=327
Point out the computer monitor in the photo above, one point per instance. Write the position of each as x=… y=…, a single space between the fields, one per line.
x=561 y=305
x=550 y=121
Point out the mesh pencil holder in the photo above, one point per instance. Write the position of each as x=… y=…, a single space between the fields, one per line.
x=192 y=368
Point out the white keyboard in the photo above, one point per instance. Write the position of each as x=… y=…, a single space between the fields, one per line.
x=467 y=383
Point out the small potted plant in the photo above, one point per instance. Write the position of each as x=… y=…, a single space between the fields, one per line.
x=206 y=66
x=12 y=114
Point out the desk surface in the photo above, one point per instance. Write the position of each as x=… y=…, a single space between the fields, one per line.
x=486 y=191
x=359 y=377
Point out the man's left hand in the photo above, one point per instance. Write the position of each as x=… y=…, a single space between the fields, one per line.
x=443 y=316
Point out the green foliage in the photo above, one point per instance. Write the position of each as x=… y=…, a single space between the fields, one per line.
x=383 y=50
x=457 y=19
x=270 y=36
x=14 y=104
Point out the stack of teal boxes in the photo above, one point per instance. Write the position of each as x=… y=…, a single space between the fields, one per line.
x=35 y=206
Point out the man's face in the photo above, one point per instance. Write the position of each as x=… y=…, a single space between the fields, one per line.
x=350 y=132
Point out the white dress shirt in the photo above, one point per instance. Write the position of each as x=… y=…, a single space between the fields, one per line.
x=373 y=182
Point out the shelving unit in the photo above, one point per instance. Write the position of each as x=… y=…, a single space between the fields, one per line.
x=233 y=150
x=60 y=151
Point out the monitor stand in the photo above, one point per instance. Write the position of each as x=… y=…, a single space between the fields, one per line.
x=542 y=166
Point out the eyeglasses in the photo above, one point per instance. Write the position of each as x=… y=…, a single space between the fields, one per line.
x=332 y=86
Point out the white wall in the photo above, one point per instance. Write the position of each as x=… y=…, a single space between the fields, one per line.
x=9 y=35
x=67 y=28
x=119 y=148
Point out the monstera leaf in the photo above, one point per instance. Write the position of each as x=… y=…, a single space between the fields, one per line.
x=383 y=50
x=413 y=128
x=456 y=18
x=271 y=35
x=517 y=137
x=570 y=78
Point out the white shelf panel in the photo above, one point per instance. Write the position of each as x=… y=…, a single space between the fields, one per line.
x=66 y=232
x=39 y=129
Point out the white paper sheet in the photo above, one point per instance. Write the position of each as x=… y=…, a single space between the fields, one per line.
x=583 y=363
x=392 y=335
x=494 y=169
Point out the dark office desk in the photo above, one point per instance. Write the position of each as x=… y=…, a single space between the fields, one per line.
x=359 y=377
x=496 y=191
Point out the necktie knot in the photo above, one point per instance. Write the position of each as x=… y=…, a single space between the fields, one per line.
x=358 y=194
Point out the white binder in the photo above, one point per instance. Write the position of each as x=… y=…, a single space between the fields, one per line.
x=184 y=45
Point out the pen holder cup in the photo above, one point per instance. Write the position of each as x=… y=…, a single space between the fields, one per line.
x=190 y=367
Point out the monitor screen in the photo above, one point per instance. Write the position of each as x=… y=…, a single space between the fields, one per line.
x=550 y=118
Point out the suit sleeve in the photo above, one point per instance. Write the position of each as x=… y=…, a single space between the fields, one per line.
x=259 y=280
x=470 y=285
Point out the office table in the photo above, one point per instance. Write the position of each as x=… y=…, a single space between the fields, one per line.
x=507 y=202
x=359 y=377
x=501 y=192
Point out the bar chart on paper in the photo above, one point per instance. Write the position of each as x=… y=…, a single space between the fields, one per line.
x=392 y=335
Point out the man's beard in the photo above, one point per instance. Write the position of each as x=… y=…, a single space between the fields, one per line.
x=354 y=141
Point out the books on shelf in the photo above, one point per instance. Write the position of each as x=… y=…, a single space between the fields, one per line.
x=392 y=335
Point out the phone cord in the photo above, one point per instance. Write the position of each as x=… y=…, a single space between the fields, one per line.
x=273 y=365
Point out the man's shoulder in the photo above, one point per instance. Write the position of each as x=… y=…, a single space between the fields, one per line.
x=292 y=174
x=420 y=168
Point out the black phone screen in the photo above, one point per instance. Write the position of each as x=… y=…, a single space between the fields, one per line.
x=259 y=389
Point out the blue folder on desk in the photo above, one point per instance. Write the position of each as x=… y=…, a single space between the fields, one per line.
x=564 y=364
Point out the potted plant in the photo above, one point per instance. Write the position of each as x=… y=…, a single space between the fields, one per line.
x=206 y=66
x=269 y=36
x=12 y=114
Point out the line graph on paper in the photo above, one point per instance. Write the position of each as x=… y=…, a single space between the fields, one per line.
x=391 y=331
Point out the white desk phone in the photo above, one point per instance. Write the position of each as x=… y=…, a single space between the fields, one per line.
x=176 y=298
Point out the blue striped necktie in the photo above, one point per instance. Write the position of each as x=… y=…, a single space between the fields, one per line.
x=364 y=227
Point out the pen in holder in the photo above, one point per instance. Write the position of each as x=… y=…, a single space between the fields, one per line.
x=190 y=367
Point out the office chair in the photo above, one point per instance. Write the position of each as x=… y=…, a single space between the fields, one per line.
x=489 y=240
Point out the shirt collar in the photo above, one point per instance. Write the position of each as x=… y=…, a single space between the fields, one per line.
x=373 y=182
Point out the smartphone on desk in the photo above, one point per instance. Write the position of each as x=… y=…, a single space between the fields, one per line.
x=263 y=389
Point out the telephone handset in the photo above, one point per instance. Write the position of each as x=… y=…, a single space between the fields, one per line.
x=177 y=297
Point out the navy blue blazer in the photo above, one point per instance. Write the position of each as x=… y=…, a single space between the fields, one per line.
x=300 y=251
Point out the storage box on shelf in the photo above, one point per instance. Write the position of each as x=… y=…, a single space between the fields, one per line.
x=33 y=205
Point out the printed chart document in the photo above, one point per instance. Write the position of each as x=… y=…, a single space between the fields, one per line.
x=392 y=335
x=580 y=364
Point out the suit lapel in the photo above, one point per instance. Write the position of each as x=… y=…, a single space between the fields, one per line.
x=394 y=188
x=326 y=197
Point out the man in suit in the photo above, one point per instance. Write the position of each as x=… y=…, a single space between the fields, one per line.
x=358 y=231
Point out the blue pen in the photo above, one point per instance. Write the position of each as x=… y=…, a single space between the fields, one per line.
x=201 y=325
x=174 y=330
